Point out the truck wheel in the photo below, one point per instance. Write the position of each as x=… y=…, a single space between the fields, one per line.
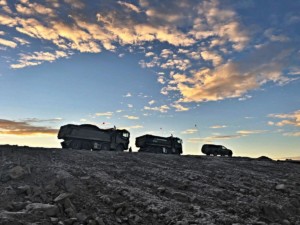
x=215 y=153
x=119 y=148
x=76 y=145
x=105 y=147
x=86 y=145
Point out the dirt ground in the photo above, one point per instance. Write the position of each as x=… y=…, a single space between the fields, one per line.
x=64 y=187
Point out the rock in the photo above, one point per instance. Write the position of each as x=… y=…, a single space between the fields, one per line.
x=280 y=187
x=62 y=197
x=70 y=221
x=54 y=220
x=92 y=222
x=100 y=221
x=16 y=172
x=81 y=217
x=161 y=189
x=17 y=206
x=68 y=204
x=70 y=212
x=49 y=210
x=24 y=189
x=285 y=222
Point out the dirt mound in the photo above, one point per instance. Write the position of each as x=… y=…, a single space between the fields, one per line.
x=64 y=187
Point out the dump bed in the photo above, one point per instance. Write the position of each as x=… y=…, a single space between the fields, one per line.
x=148 y=140
x=88 y=132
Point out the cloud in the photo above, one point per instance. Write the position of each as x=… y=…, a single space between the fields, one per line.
x=161 y=80
x=104 y=114
x=4 y=6
x=8 y=43
x=131 y=117
x=234 y=79
x=248 y=132
x=212 y=56
x=36 y=120
x=218 y=126
x=21 y=128
x=238 y=134
x=151 y=102
x=162 y=109
x=130 y=6
x=214 y=138
x=132 y=127
x=127 y=95
x=189 y=131
x=179 y=107
x=75 y=3
x=292 y=119
x=292 y=134
x=21 y=41
x=28 y=9
x=269 y=33
x=38 y=58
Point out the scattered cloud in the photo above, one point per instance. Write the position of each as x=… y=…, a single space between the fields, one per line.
x=292 y=134
x=292 y=119
x=218 y=126
x=247 y=132
x=189 y=131
x=21 y=128
x=132 y=127
x=131 y=117
x=127 y=95
x=8 y=43
x=130 y=6
x=179 y=107
x=36 y=120
x=38 y=58
x=21 y=41
x=238 y=134
x=104 y=114
x=162 y=109
x=210 y=139
x=151 y=102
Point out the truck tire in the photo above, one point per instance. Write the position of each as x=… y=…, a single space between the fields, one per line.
x=119 y=148
x=105 y=147
x=76 y=144
x=86 y=145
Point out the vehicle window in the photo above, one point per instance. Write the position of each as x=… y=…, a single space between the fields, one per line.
x=223 y=147
x=179 y=141
x=125 y=134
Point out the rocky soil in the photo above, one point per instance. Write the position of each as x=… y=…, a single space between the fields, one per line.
x=64 y=187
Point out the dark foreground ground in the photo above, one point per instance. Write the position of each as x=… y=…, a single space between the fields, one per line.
x=54 y=186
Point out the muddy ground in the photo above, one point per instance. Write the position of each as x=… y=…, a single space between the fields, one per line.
x=54 y=186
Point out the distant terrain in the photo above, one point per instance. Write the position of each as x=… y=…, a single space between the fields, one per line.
x=65 y=187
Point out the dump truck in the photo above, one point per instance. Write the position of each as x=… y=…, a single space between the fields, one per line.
x=91 y=137
x=210 y=149
x=157 y=144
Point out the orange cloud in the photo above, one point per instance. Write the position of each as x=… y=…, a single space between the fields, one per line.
x=10 y=127
x=292 y=119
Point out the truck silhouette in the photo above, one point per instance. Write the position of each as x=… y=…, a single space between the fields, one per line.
x=157 y=144
x=91 y=137
x=210 y=149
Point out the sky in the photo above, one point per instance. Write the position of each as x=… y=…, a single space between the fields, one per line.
x=223 y=72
